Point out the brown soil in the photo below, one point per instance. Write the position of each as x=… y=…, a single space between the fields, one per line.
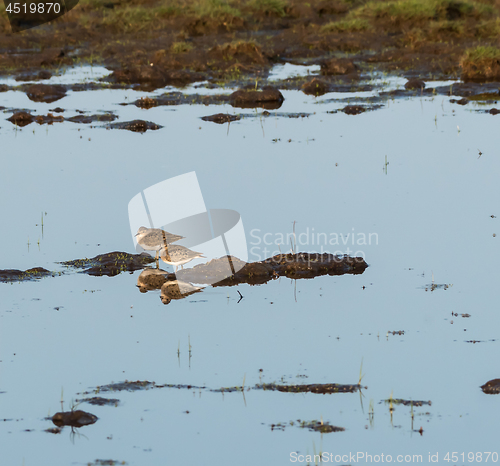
x=73 y=418
x=99 y=401
x=26 y=275
x=492 y=387
x=321 y=388
x=153 y=45
x=293 y=266
x=316 y=426
x=400 y=401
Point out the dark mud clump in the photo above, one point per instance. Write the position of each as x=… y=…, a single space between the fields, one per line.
x=21 y=118
x=107 y=462
x=148 y=77
x=316 y=426
x=53 y=430
x=400 y=401
x=294 y=266
x=86 y=119
x=45 y=93
x=73 y=418
x=128 y=386
x=268 y=98
x=111 y=264
x=138 y=385
x=322 y=389
x=99 y=401
x=339 y=66
x=324 y=428
x=462 y=101
x=472 y=90
x=24 y=118
x=353 y=109
x=178 y=98
x=19 y=275
x=415 y=83
x=315 y=87
x=492 y=387
x=34 y=76
x=221 y=118
x=137 y=126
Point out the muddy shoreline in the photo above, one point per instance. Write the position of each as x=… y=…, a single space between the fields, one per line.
x=150 y=47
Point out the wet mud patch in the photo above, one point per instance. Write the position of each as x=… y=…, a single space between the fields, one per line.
x=86 y=119
x=315 y=426
x=322 y=389
x=53 y=430
x=178 y=98
x=25 y=118
x=76 y=418
x=44 y=92
x=133 y=386
x=300 y=265
x=221 y=118
x=34 y=76
x=99 y=401
x=471 y=90
x=26 y=275
x=357 y=109
x=403 y=402
x=269 y=98
x=110 y=264
x=107 y=463
x=148 y=78
x=492 y=387
x=436 y=286
x=137 y=126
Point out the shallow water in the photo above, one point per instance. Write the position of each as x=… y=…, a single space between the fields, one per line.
x=429 y=216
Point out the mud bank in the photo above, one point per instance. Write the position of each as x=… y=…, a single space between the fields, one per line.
x=151 y=46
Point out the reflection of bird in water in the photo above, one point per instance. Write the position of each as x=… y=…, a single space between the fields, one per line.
x=178 y=255
x=153 y=239
x=177 y=289
x=151 y=279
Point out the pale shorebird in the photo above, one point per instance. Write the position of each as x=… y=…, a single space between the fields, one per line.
x=153 y=239
x=177 y=289
x=176 y=255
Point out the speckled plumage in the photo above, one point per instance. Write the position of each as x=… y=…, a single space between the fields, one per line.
x=176 y=255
